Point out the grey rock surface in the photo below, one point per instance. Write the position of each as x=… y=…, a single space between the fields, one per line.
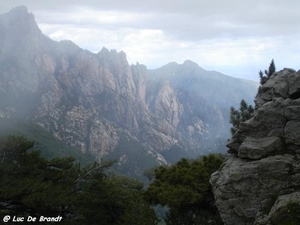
x=285 y=210
x=262 y=176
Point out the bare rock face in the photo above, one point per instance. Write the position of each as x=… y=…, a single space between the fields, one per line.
x=261 y=181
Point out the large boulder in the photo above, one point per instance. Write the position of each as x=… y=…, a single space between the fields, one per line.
x=260 y=182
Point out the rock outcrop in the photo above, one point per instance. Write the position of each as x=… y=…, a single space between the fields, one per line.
x=260 y=183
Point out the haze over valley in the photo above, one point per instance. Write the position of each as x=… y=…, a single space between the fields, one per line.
x=103 y=107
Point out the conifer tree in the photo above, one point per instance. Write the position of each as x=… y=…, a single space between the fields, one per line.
x=268 y=73
x=245 y=112
x=184 y=187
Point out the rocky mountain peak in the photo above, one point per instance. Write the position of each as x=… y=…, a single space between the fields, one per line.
x=257 y=184
x=20 y=11
x=190 y=63
x=191 y=67
x=20 y=35
x=106 y=55
x=20 y=21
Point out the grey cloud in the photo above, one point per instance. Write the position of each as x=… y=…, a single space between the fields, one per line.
x=189 y=19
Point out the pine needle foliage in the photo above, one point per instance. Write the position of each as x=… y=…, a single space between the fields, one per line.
x=184 y=188
x=267 y=74
x=237 y=116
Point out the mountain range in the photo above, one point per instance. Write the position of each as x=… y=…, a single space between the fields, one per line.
x=103 y=107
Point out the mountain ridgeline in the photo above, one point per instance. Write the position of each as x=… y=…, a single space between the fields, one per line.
x=104 y=107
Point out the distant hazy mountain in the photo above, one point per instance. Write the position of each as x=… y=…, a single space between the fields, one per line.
x=219 y=89
x=102 y=106
x=215 y=91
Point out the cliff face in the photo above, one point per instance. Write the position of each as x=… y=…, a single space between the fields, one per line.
x=98 y=102
x=261 y=181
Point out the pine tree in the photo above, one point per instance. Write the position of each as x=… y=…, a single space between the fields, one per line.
x=237 y=116
x=184 y=187
x=268 y=73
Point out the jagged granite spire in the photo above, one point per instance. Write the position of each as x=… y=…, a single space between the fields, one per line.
x=20 y=22
x=19 y=31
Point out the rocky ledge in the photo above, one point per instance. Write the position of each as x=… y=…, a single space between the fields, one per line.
x=260 y=183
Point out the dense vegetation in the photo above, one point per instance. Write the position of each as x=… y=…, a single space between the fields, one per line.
x=33 y=186
x=184 y=188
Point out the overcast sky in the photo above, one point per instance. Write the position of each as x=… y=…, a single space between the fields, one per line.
x=235 y=37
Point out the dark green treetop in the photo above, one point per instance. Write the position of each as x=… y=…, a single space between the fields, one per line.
x=268 y=73
x=237 y=116
x=184 y=187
